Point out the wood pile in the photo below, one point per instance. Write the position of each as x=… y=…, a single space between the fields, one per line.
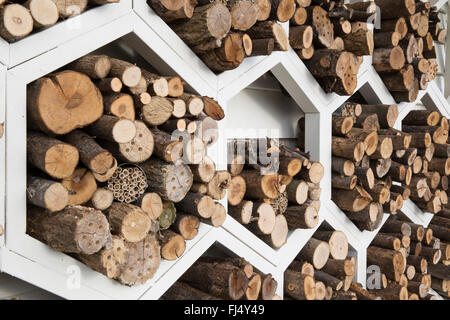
x=331 y=38
x=19 y=18
x=405 y=54
x=376 y=167
x=274 y=194
x=224 y=34
x=412 y=259
x=323 y=270
x=217 y=278
x=115 y=165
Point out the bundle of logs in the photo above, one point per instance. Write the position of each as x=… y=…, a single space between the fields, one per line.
x=273 y=195
x=222 y=34
x=323 y=270
x=405 y=55
x=376 y=168
x=331 y=37
x=411 y=258
x=19 y=18
x=116 y=192
x=217 y=278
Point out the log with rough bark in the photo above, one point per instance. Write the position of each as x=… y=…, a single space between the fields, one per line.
x=54 y=157
x=337 y=242
x=91 y=154
x=260 y=186
x=202 y=206
x=242 y=212
x=183 y=291
x=142 y=260
x=171 y=181
x=76 y=229
x=220 y=279
x=128 y=221
x=351 y=200
x=47 y=194
x=170 y=11
x=208 y=22
x=392 y=263
x=299 y=286
x=108 y=261
x=94 y=66
x=270 y=30
x=316 y=252
x=120 y=105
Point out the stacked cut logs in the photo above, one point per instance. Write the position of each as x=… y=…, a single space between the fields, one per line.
x=274 y=194
x=405 y=54
x=19 y=18
x=331 y=37
x=223 y=34
x=117 y=163
x=409 y=257
x=431 y=163
x=217 y=278
x=363 y=164
x=440 y=272
x=376 y=168
x=323 y=270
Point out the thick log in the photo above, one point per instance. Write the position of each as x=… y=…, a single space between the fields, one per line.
x=55 y=107
x=388 y=59
x=16 y=22
x=196 y=204
x=157 y=111
x=337 y=241
x=210 y=21
x=55 y=158
x=128 y=221
x=172 y=182
x=120 y=105
x=223 y=280
x=348 y=149
x=299 y=286
x=47 y=194
x=142 y=261
x=113 y=129
x=94 y=66
x=316 y=252
x=392 y=263
x=261 y=186
x=354 y=200
x=270 y=30
x=343 y=166
x=321 y=23
x=107 y=261
x=76 y=229
x=301 y=217
x=242 y=212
